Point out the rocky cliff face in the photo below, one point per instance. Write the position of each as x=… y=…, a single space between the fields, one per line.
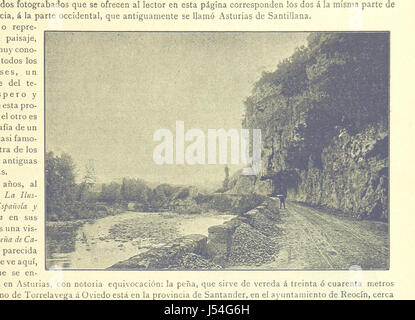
x=350 y=174
x=353 y=177
x=323 y=115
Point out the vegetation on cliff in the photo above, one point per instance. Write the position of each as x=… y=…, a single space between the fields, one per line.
x=337 y=85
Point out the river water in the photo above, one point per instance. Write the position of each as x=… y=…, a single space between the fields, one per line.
x=108 y=240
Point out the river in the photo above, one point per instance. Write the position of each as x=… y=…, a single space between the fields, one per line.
x=105 y=241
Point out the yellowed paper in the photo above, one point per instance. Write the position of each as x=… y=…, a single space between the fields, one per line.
x=115 y=183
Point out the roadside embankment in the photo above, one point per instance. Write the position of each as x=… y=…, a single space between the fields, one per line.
x=246 y=240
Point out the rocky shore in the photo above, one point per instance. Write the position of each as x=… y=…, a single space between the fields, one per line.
x=246 y=240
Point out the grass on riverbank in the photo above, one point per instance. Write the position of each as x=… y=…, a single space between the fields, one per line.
x=61 y=235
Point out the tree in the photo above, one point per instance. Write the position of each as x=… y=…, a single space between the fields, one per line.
x=159 y=199
x=88 y=181
x=60 y=186
x=135 y=190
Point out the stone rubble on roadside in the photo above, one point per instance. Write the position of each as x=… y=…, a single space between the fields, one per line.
x=194 y=261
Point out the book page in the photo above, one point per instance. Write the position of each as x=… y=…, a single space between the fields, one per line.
x=195 y=150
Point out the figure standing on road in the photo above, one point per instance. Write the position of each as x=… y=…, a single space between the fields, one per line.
x=279 y=190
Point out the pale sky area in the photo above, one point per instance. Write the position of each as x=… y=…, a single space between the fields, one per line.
x=107 y=93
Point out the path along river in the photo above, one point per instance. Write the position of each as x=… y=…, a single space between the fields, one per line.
x=108 y=240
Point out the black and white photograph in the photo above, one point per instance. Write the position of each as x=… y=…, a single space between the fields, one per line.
x=210 y=151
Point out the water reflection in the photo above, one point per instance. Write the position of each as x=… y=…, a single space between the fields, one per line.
x=104 y=242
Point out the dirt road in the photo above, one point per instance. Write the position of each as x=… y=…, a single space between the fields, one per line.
x=313 y=239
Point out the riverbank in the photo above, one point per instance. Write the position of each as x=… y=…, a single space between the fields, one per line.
x=246 y=240
x=103 y=242
x=112 y=238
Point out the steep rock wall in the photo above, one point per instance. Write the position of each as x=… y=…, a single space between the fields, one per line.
x=353 y=176
x=324 y=119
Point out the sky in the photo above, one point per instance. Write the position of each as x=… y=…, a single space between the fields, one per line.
x=107 y=93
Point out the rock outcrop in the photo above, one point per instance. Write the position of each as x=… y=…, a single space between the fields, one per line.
x=353 y=178
x=173 y=255
x=220 y=240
